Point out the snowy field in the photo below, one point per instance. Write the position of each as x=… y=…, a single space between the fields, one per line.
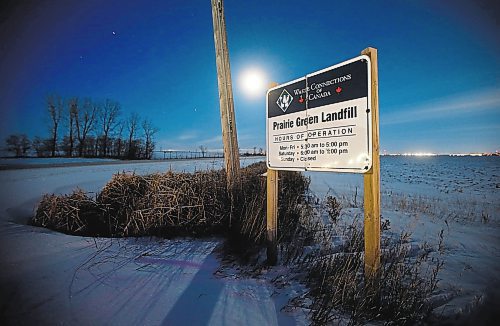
x=6 y=163
x=51 y=278
x=47 y=277
x=424 y=195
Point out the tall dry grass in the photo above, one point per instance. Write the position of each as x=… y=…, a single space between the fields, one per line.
x=338 y=290
x=177 y=204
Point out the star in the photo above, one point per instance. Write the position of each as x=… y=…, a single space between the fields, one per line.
x=114 y=33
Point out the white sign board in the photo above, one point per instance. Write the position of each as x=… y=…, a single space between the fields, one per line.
x=322 y=122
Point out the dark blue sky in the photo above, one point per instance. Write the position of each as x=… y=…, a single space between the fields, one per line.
x=439 y=66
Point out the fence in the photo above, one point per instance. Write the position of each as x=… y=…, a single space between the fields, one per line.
x=178 y=155
x=173 y=155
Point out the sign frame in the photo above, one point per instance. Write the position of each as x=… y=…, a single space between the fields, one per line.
x=368 y=140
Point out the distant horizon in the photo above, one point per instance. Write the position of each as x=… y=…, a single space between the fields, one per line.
x=4 y=152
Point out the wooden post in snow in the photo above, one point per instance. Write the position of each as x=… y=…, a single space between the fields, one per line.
x=272 y=216
x=372 y=181
x=229 y=135
x=272 y=212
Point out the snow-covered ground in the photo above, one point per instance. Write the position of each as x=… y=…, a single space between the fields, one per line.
x=7 y=162
x=51 y=278
x=424 y=195
x=47 y=277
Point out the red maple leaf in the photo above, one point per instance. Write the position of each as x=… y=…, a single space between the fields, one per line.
x=301 y=99
x=338 y=89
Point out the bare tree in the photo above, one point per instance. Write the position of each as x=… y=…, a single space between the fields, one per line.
x=73 y=112
x=13 y=145
x=55 y=109
x=132 y=124
x=119 y=143
x=18 y=144
x=203 y=150
x=149 y=132
x=38 y=146
x=108 y=119
x=25 y=144
x=41 y=146
x=84 y=122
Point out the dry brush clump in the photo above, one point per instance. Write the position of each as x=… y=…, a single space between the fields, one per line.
x=247 y=234
x=164 y=204
x=175 y=204
x=397 y=295
x=74 y=213
x=338 y=290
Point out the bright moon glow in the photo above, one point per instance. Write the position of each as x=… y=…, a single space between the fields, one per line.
x=252 y=82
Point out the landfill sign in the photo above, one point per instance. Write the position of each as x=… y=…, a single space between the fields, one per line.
x=322 y=122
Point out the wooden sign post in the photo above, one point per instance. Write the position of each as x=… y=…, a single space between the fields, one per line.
x=272 y=216
x=372 y=180
x=272 y=212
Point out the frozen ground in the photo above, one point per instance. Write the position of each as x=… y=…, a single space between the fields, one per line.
x=47 y=277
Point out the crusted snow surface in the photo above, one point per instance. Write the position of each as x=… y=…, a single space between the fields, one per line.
x=52 y=278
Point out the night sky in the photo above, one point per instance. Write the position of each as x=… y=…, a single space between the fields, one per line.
x=439 y=64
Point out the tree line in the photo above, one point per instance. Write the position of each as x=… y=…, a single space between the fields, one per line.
x=88 y=128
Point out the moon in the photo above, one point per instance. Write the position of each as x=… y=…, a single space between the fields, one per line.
x=253 y=82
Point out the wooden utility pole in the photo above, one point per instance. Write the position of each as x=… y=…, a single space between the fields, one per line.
x=229 y=136
x=372 y=180
x=272 y=212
